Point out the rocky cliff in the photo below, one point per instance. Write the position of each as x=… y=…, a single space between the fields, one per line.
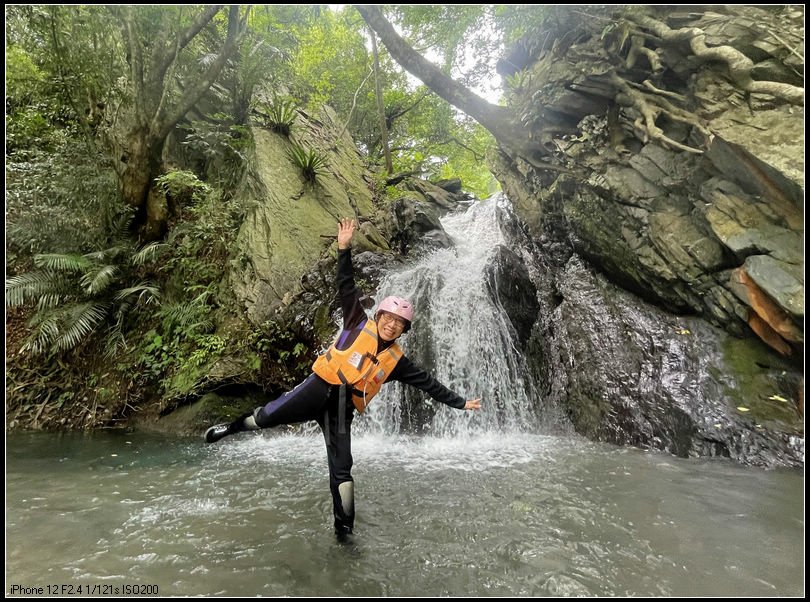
x=668 y=164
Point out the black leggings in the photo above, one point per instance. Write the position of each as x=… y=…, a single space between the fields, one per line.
x=315 y=399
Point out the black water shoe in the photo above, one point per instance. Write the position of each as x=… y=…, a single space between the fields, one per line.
x=344 y=534
x=217 y=432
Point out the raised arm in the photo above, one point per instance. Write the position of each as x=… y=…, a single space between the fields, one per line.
x=353 y=312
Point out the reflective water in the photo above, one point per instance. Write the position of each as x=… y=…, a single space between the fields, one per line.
x=488 y=515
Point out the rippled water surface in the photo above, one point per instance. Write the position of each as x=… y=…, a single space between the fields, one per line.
x=489 y=515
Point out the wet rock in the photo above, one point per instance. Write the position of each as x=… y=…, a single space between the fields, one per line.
x=412 y=224
x=664 y=382
x=509 y=285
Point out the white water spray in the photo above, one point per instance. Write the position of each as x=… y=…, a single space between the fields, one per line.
x=460 y=335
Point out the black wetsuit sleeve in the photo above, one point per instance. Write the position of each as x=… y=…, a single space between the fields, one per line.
x=353 y=312
x=409 y=373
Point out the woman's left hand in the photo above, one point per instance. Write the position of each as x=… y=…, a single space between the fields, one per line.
x=473 y=404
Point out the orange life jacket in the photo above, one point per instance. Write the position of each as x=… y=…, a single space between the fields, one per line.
x=359 y=366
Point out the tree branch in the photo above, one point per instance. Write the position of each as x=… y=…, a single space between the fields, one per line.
x=493 y=117
x=161 y=65
x=190 y=98
x=354 y=104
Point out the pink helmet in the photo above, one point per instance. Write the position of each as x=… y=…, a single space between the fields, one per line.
x=399 y=307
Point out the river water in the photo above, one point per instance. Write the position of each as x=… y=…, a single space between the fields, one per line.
x=501 y=502
x=488 y=515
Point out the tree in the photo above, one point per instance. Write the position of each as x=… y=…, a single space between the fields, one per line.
x=494 y=118
x=380 y=106
x=163 y=91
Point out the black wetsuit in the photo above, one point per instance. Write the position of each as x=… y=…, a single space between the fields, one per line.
x=315 y=399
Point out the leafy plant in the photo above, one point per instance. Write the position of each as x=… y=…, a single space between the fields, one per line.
x=281 y=114
x=518 y=81
x=76 y=294
x=182 y=188
x=311 y=162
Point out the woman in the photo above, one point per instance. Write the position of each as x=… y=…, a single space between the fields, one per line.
x=345 y=378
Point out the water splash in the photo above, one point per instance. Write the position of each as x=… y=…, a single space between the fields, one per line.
x=460 y=335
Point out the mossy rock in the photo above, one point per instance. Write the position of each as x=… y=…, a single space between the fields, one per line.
x=767 y=387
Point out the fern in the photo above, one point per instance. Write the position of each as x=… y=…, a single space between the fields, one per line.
x=187 y=318
x=150 y=252
x=61 y=263
x=281 y=114
x=98 y=279
x=32 y=286
x=76 y=294
x=46 y=330
x=80 y=321
x=141 y=289
x=311 y=162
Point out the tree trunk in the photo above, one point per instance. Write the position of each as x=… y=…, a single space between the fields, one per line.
x=155 y=114
x=389 y=167
x=494 y=118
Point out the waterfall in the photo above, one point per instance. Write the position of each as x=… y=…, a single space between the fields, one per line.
x=461 y=335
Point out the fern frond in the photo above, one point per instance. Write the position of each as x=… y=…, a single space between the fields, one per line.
x=49 y=300
x=80 y=321
x=142 y=288
x=32 y=285
x=45 y=330
x=115 y=340
x=99 y=279
x=59 y=262
x=109 y=254
x=149 y=253
x=188 y=317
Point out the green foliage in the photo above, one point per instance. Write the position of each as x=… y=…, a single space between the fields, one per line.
x=278 y=349
x=518 y=81
x=444 y=144
x=61 y=200
x=280 y=114
x=330 y=60
x=176 y=351
x=203 y=237
x=451 y=30
x=77 y=294
x=183 y=186
x=180 y=344
x=514 y=21
x=311 y=163
x=222 y=146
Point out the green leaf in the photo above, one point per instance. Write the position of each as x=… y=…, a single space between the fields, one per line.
x=98 y=279
x=61 y=263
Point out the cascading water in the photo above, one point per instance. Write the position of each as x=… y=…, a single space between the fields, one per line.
x=461 y=335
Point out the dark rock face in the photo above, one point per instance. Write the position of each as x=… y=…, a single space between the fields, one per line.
x=679 y=194
x=644 y=377
x=413 y=224
x=509 y=284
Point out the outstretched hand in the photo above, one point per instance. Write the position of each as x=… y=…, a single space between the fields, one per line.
x=346 y=228
x=473 y=404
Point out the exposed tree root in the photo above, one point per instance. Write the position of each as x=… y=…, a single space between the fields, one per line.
x=650 y=107
x=739 y=65
x=637 y=48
